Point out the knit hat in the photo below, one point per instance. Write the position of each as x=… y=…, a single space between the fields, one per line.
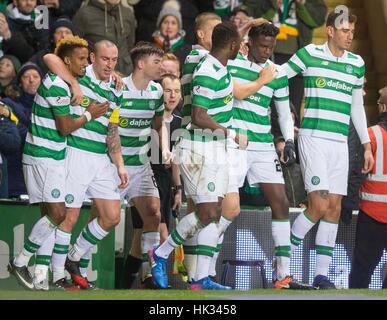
x=242 y=8
x=170 y=8
x=15 y=61
x=27 y=66
x=63 y=21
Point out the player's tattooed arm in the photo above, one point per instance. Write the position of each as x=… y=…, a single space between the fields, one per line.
x=57 y=66
x=113 y=139
x=114 y=146
x=242 y=91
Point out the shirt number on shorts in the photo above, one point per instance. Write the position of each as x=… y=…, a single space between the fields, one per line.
x=154 y=181
x=277 y=165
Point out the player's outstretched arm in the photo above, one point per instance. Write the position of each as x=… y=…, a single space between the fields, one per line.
x=56 y=66
x=202 y=120
x=242 y=91
x=66 y=124
x=114 y=147
x=296 y=64
x=117 y=79
x=251 y=23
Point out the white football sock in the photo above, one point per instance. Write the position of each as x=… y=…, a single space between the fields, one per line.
x=325 y=243
x=90 y=236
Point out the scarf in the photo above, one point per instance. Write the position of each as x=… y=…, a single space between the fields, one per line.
x=286 y=20
x=166 y=44
x=17 y=15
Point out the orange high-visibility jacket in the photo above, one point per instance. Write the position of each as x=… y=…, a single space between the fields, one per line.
x=373 y=192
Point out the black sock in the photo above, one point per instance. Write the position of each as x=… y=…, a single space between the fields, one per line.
x=131 y=267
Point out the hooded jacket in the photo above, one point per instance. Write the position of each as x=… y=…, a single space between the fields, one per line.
x=97 y=20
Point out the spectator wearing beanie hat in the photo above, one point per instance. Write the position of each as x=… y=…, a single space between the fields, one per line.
x=20 y=97
x=9 y=66
x=61 y=28
x=147 y=12
x=170 y=34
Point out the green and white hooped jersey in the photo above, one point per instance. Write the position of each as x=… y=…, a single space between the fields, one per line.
x=212 y=88
x=329 y=86
x=92 y=136
x=138 y=109
x=191 y=62
x=43 y=141
x=251 y=115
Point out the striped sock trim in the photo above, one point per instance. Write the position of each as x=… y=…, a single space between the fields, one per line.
x=176 y=237
x=283 y=251
x=84 y=263
x=43 y=260
x=61 y=248
x=295 y=240
x=324 y=250
x=206 y=250
x=30 y=246
x=193 y=250
x=200 y=250
x=89 y=236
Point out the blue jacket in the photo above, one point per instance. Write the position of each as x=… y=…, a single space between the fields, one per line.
x=22 y=109
x=10 y=144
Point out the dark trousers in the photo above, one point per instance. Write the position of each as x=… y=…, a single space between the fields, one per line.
x=296 y=85
x=371 y=240
x=164 y=184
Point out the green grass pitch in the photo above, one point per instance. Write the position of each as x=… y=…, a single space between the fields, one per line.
x=168 y=294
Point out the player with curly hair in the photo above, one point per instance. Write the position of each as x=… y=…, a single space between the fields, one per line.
x=44 y=160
